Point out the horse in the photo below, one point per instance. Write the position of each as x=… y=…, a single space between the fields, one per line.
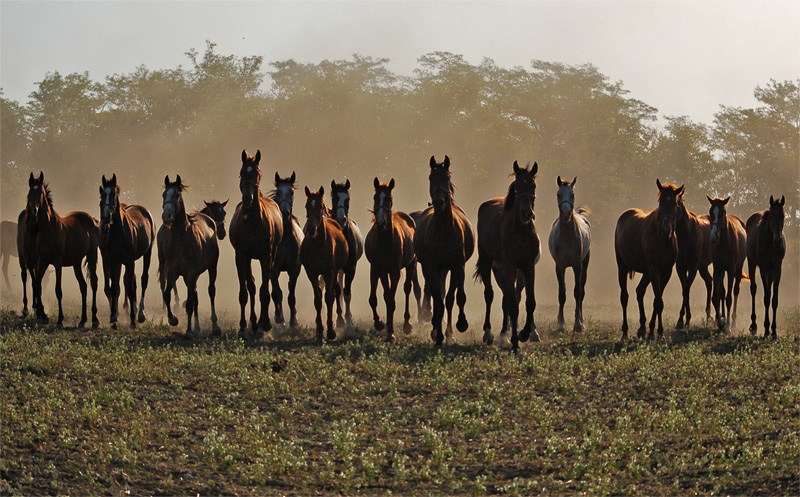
x=694 y=255
x=570 y=238
x=287 y=258
x=26 y=251
x=8 y=246
x=766 y=247
x=421 y=293
x=127 y=233
x=340 y=209
x=444 y=242
x=187 y=247
x=645 y=242
x=509 y=247
x=61 y=242
x=728 y=252
x=390 y=248
x=323 y=253
x=256 y=231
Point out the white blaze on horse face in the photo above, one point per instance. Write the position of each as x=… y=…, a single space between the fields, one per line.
x=715 y=221
x=341 y=213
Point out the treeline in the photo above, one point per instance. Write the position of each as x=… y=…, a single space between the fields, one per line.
x=356 y=118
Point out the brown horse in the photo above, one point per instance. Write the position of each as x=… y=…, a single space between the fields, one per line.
x=323 y=254
x=127 y=233
x=728 y=252
x=421 y=293
x=256 y=232
x=26 y=251
x=187 y=246
x=645 y=242
x=766 y=247
x=390 y=248
x=444 y=242
x=694 y=254
x=509 y=246
x=340 y=210
x=62 y=241
x=288 y=257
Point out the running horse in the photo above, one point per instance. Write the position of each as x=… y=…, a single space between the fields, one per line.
x=71 y=240
x=766 y=247
x=323 y=254
x=390 y=249
x=288 y=257
x=340 y=202
x=127 y=233
x=728 y=252
x=444 y=242
x=570 y=238
x=509 y=247
x=694 y=255
x=187 y=247
x=256 y=231
x=645 y=242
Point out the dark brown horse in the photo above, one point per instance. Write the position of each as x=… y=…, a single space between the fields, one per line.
x=288 y=257
x=766 y=247
x=61 y=242
x=645 y=242
x=694 y=254
x=390 y=249
x=340 y=210
x=444 y=242
x=187 y=246
x=127 y=233
x=26 y=251
x=323 y=254
x=256 y=232
x=421 y=293
x=509 y=246
x=728 y=252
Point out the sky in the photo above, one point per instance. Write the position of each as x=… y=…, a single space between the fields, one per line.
x=684 y=58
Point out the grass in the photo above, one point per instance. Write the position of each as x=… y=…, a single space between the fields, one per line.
x=115 y=411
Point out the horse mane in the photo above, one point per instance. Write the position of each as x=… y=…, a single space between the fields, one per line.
x=671 y=186
x=511 y=197
x=48 y=194
x=583 y=210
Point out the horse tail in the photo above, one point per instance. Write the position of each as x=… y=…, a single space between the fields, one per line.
x=583 y=210
x=631 y=274
x=482 y=266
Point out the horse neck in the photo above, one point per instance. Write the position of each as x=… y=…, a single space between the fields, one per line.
x=445 y=216
x=181 y=217
x=47 y=217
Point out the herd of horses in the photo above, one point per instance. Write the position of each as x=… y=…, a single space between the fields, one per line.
x=439 y=238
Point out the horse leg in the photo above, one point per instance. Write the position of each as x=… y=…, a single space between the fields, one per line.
x=709 y=282
x=292 y=299
x=212 y=295
x=191 y=306
x=579 y=304
x=737 y=281
x=251 y=291
x=264 y=323
x=458 y=276
x=485 y=274
x=348 y=285
x=314 y=279
x=529 y=330
x=339 y=279
x=330 y=296
x=718 y=296
x=562 y=293
x=729 y=300
x=450 y=299
x=82 y=285
x=277 y=298
x=577 y=271
x=91 y=264
x=23 y=274
x=130 y=292
x=510 y=305
x=683 y=275
x=751 y=269
x=776 y=280
x=434 y=285
x=116 y=270
x=641 y=288
x=407 y=286
x=166 y=292
x=622 y=277
x=658 y=301
x=389 y=283
x=692 y=274
x=59 y=294
x=244 y=279
x=373 y=299
x=145 y=279
x=414 y=274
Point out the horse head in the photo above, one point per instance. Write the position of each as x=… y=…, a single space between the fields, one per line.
x=37 y=196
x=249 y=178
x=340 y=201
x=668 y=197
x=566 y=198
x=109 y=201
x=382 y=203
x=216 y=211
x=316 y=210
x=284 y=194
x=172 y=205
x=776 y=217
x=522 y=192
x=441 y=188
x=718 y=216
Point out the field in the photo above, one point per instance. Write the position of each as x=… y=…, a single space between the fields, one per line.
x=145 y=412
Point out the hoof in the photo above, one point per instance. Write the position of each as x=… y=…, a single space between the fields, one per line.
x=679 y=324
x=60 y=325
x=535 y=337
x=24 y=311
x=378 y=325
x=242 y=334
x=488 y=338
x=505 y=343
x=279 y=318
x=339 y=322
x=389 y=338
x=133 y=325
x=461 y=324
x=407 y=328
x=331 y=335
x=259 y=333
x=95 y=324
x=173 y=321
x=190 y=335
x=215 y=330
x=142 y=318
x=641 y=332
x=81 y=325
x=753 y=329
x=449 y=340
x=525 y=334
x=579 y=327
x=114 y=326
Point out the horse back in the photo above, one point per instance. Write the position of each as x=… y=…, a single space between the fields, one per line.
x=81 y=237
x=142 y=229
x=629 y=237
x=257 y=234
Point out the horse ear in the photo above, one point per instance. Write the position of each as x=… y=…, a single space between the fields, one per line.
x=534 y=169
x=41 y=177
x=321 y=191
x=680 y=191
x=30 y=183
x=104 y=179
x=574 y=180
x=558 y=180
x=101 y=191
x=725 y=202
x=783 y=200
x=292 y=178
x=391 y=184
x=114 y=178
x=244 y=155
x=516 y=167
x=308 y=192
x=771 y=200
x=277 y=178
x=376 y=183
x=333 y=184
x=166 y=180
x=433 y=161
x=178 y=179
x=347 y=184
x=258 y=156
x=225 y=203
x=658 y=184
x=709 y=198
x=207 y=204
x=446 y=162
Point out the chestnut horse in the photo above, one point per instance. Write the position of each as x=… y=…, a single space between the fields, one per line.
x=127 y=233
x=444 y=242
x=728 y=252
x=256 y=231
x=340 y=201
x=187 y=246
x=390 y=248
x=645 y=242
x=288 y=257
x=62 y=241
x=509 y=246
x=569 y=241
x=323 y=254
x=766 y=247
x=694 y=254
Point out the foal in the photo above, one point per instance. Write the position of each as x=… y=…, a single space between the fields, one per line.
x=390 y=249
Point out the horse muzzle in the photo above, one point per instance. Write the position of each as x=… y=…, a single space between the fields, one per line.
x=221 y=231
